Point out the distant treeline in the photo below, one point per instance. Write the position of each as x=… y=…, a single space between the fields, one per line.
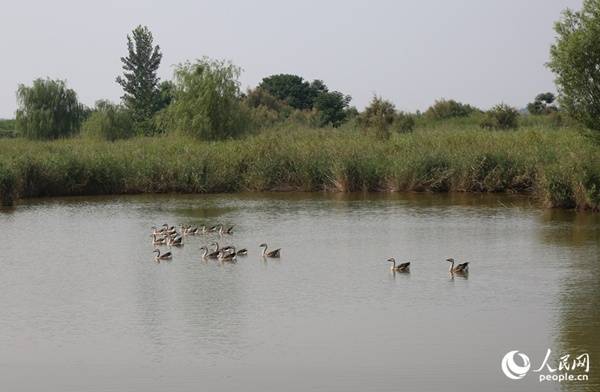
x=204 y=100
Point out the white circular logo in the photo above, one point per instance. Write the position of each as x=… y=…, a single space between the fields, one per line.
x=511 y=369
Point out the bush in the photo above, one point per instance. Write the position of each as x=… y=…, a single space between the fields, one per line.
x=48 y=110
x=403 y=122
x=443 y=109
x=207 y=101
x=378 y=116
x=109 y=122
x=501 y=116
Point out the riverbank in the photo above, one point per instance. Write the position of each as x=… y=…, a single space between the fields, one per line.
x=560 y=167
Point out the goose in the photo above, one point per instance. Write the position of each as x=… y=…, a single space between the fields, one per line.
x=229 y=231
x=177 y=241
x=158 y=240
x=271 y=253
x=241 y=252
x=460 y=268
x=402 y=267
x=192 y=230
x=227 y=255
x=204 y=250
x=212 y=229
x=164 y=256
x=216 y=253
x=157 y=231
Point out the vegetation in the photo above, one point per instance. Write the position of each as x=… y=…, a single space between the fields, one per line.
x=574 y=58
x=559 y=166
x=206 y=102
x=8 y=128
x=143 y=96
x=200 y=133
x=444 y=109
x=501 y=116
x=108 y=122
x=542 y=104
x=48 y=110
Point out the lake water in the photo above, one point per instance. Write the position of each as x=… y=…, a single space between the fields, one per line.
x=86 y=308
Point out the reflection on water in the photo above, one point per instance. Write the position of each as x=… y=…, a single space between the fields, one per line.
x=85 y=307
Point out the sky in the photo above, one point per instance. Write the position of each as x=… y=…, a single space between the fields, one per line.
x=480 y=52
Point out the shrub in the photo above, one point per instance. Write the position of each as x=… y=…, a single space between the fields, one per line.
x=48 y=110
x=501 y=116
x=109 y=122
x=403 y=122
x=443 y=109
x=378 y=116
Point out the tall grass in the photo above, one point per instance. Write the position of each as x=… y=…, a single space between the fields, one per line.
x=559 y=166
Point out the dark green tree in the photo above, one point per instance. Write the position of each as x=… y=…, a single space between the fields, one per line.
x=332 y=107
x=48 y=110
x=542 y=104
x=140 y=81
x=292 y=89
x=575 y=59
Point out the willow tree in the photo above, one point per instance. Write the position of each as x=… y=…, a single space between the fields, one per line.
x=140 y=81
x=207 y=100
x=48 y=110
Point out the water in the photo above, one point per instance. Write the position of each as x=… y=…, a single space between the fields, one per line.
x=85 y=307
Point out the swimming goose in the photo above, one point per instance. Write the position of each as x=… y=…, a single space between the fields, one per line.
x=204 y=250
x=158 y=240
x=271 y=253
x=164 y=256
x=227 y=255
x=229 y=231
x=241 y=252
x=216 y=253
x=460 y=268
x=402 y=267
x=174 y=241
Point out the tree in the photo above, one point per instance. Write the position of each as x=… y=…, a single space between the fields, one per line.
x=48 y=110
x=542 y=104
x=139 y=81
x=108 y=122
x=292 y=89
x=443 y=109
x=207 y=100
x=378 y=116
x=332 y=107
x=575 y=60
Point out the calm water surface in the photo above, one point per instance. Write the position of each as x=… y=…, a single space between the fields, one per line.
x=85 y=307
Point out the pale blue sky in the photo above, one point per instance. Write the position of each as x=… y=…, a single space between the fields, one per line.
x=411 y=52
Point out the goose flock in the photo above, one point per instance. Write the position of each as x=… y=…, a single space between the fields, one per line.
x=170 y=236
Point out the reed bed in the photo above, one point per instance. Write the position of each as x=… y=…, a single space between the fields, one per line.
x=560 y=167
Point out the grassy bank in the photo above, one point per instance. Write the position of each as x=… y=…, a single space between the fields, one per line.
x=560 y=167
